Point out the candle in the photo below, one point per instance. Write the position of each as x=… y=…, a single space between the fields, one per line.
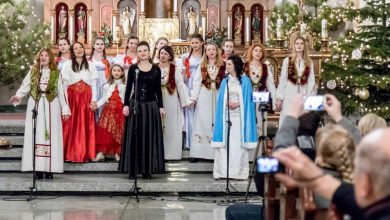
x=324 y=25
x=142 y=6
x=303 y=29
x=279 y=24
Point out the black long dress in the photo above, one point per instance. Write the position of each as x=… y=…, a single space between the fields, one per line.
x=150 y=148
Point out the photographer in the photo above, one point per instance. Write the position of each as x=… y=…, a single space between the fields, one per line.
x=371 y=199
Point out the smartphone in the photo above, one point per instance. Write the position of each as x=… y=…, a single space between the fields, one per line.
x=260 y=97
x=314 y=103
x=269 y=165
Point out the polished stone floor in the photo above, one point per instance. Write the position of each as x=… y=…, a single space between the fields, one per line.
x=112 y=208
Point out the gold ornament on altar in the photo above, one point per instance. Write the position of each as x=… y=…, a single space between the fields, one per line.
x=364 y=94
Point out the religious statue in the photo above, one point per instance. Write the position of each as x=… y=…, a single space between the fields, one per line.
x=62 y=19
x=81 y=15
x=256 y=21
x=192 y=18
x=127 y=20
x=237 y=21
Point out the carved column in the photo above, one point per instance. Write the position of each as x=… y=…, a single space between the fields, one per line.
x=204 y=23
x=52 y=26
x=247 y=35
x=71 y=26
x=229 y=25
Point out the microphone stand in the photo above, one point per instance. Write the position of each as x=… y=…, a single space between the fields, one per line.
x=135 y=189
x=33 y=188
x=229 y=124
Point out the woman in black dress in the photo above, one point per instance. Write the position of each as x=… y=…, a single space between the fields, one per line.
x=143 y=146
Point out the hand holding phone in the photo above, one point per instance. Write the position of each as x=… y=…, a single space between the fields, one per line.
x=314 y=103
x=269 y=165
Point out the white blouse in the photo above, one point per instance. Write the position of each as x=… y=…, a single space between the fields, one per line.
x=108 y=89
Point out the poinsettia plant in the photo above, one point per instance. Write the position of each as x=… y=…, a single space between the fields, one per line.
x=217 y=35
x=104 y=33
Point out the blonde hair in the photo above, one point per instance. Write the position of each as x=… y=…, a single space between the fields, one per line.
x=249 y=53
x=306 y=57
x=335 y=149
x=205 y=60
x=370 y=122
x=52 y=62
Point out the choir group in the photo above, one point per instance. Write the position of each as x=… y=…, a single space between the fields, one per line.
x=143 y=107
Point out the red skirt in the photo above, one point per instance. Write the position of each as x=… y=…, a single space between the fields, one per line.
x=79 y=129
x=109 y=131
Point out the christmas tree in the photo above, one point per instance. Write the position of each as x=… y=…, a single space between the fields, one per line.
x=358 y=71
x=19 y=40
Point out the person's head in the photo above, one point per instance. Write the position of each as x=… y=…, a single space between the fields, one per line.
x=143 y=51
x=370 y=122
x=235 y=65
x=228 y=47
x=116 y=72
x=335 y=149
x=77 y=52
x=166 y=54
x=161 y=41
x=45 y=58
x=300 y=47
x=131 y=44
x=63 y=46
x=98 y=46
x=197 y=43
x=256 y=52
x=372 y=167
x=212 y=53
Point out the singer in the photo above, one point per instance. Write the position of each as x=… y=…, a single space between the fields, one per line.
x=242 y=116
x=46 y=93
x=143 y=146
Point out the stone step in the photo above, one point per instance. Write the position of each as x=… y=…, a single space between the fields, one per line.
x=17 y=152
x=14 y=139
x=170 y=182
x=170 y=166
x=12 y=127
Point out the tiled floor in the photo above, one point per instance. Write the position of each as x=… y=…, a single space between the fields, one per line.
x=111 y=208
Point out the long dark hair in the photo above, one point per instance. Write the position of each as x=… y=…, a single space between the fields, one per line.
x=111 y=79
x=200 y=37
x=155 y=50
x=60 y=39
x=128 y=40
x=238 y=65
x=93 y=47
x=84 y=64
x=169 y=50
x=144 y=43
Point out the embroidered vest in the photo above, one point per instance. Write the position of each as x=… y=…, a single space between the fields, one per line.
x=293 y=74
x=261 y=85
x=52 y=87
x=207 y=81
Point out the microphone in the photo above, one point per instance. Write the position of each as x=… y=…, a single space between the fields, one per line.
x=226 y=74
x=136 y=73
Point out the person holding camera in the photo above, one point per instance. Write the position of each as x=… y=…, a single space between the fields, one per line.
x=236 y=102
x=262 y=81
x=297 y=76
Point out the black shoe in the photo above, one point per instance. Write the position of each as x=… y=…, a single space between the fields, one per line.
x=39 y=175
x=49 y=176
x=146 y=176
x=193 y=160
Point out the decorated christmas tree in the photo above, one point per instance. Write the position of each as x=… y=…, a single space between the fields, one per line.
x=19 y=40
x=358 y=72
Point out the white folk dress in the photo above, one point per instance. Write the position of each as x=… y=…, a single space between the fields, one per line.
x=125 y=62
x=49 y=149
x=287 y=90
x=189 y=112
x=202 y=129
x=238 y=156
x=173 y=123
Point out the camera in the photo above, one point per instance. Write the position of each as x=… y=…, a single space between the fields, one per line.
x=260 y=97
x=314 y=103
x=269 y=165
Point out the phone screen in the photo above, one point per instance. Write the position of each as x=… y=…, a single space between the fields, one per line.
x=268 y=165
x=260 y=97
x=314 y=103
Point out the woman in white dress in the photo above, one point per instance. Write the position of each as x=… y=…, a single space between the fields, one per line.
x=243 y=125
x=175 y=97
x=190 y=62
x=103 y=64
x=261 y=77
x=161 y=41
x=204 y=91
x=297 y=76
x=43 y=83
x=63 y=52
x=130 y=55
